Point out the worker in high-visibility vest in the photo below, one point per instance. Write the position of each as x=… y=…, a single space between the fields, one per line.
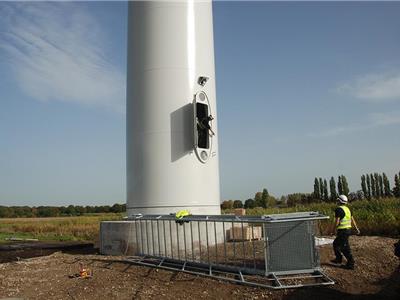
x=343 y=222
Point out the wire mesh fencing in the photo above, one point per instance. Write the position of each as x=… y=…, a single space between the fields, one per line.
x=240 y=246
x=231 y=243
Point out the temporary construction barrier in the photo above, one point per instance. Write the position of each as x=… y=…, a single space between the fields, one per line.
x=274 y=251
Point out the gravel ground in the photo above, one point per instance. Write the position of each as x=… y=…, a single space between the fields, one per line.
x=377 y=276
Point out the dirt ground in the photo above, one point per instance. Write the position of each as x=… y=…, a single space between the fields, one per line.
x=377 y=276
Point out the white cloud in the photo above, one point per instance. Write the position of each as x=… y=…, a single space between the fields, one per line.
x=373 y=120
x=375 y=88
x=57 y=52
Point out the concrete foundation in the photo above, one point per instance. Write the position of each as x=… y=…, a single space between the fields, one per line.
x=160 y=238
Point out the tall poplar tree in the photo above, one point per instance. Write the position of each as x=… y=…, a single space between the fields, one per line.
x=364 y=186
x=326 y=195
x=396 y=189
x=386 y=185
x=317 y=194
x=373 y=186
x=332 y=185
x=381 y=191
x=339 y=185
x=321 y=188
x=368 y=186
x=345 y=186
x=377 y=189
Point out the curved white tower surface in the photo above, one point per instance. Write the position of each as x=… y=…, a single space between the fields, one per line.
x=170 y=46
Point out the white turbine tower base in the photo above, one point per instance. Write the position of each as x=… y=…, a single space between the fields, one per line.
x=172 y=157
x=171 y=133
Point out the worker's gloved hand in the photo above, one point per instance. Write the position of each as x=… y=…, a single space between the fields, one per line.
x=358 y=231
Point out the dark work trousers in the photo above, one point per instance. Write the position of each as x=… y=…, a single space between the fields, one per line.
x=341 y=245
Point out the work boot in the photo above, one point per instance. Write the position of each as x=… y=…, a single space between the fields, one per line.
x=336 y=261
x=350 y=264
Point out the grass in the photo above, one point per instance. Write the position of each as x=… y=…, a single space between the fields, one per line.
x=4 y=236
x=82 y=228
x=374 y=217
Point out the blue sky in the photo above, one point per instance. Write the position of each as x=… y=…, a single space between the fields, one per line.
x=308 y=89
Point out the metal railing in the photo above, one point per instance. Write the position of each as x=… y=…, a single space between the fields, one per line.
x=275 y=251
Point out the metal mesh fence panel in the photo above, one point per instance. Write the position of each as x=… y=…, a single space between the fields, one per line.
x=272 y=246
x=290 y=247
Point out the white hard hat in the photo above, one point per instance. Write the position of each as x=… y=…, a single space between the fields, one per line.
x=342 y=199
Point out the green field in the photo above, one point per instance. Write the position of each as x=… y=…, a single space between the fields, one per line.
x=82 y=228
x=375 y=217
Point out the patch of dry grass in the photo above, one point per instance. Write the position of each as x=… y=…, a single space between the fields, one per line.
x=84 y=228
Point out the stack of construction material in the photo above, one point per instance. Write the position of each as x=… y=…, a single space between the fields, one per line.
x=245 y=233
x=240 y=212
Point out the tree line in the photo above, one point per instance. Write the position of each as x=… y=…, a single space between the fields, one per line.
x=321 y=188
x=373 y=186
x=54 y=211
x=378 y=186
x=261 y=199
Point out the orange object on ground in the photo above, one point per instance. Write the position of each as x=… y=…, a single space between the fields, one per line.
x=84 y=272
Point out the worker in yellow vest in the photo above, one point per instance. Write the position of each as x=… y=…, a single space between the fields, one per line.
x=343 y=222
